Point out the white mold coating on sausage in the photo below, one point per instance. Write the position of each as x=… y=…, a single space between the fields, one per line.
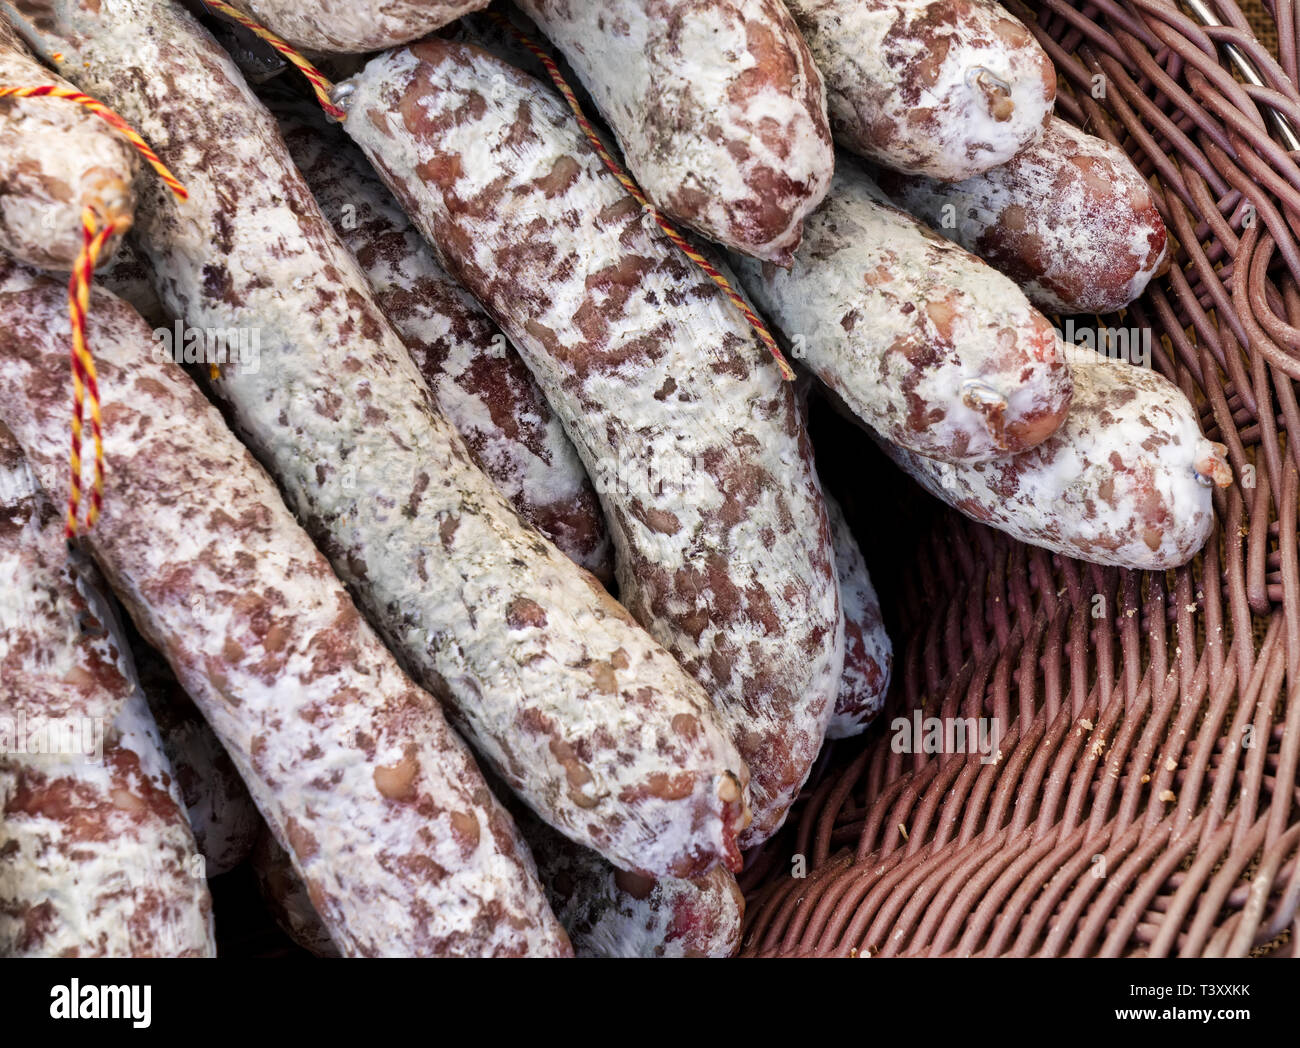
x=96 y=855
x=932 y=348
x=609 y=913
x=56 y=159
x=221 y=813
x=287 y=898
x=99 y=860
x=130 y=277
x=718 y=107
x=402 y=845
x=578 y=708
x=354 y=26
x=1069 y=219
x=945 y=88
x=868 y=652
x=694 y=443
x=1125 y=482
x=480 y=383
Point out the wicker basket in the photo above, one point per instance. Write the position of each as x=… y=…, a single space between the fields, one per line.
x=1144 y=801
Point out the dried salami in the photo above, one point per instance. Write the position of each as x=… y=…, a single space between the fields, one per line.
x=1125 y=482
x=224 y=819
x=1069 y=219
x=354 y=26
x=477 y=377
x=131 y=278
x=606 y=911
x=578 y=708
x=287 y=898
x=96 y=855
x=944 y=88
x=612 y=913
x=402 y=846
x=56 y=159
x=718 y=107
x=932 y=348
x=694 y=443
x=868 y=652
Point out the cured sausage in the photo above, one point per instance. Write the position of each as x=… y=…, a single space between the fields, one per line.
x=868 y=652
x=1125 y=482
x=286 y=897
x=607 y=912
x=695 y=445
x=354 y=26
x=401 y=844
x=611 y=913
x=718 y=108
x=933 y=349
x=130 y=277
x=480 y=383
x=1069 y=219
x=56 y=159
x=222 y=815
x=577 y=708
x=96 y=856
x=944 y=88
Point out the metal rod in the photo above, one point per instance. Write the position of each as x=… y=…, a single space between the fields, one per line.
x=1249 y=72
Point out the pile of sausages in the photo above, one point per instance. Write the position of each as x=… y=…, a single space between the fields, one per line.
x=370 y=643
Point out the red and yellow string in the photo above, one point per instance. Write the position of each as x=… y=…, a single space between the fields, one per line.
x=96 y=231
x=109 y=117
x=85 y=379
x=319 y=84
